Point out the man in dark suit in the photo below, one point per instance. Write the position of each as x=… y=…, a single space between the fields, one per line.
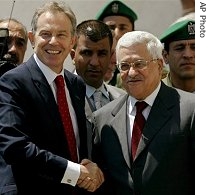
x=32 y=136
x=164 y=159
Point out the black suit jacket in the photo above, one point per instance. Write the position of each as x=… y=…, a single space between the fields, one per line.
x=165 y=156
x=32 y=138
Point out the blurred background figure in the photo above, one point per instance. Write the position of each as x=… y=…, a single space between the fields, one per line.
x=179 y=54
x=112 y=65
x=17 y=40
x=14 y=44
x=188 y=10
x=188 y=7
x=120 y=18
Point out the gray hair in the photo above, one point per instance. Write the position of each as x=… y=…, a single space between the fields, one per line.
x=54 y=7
x=153 y=44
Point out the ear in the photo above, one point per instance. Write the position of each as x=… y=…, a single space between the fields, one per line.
x=72 y=54
x=31 y=38
x=165 y=56
x=73 y=42
x=160 y=64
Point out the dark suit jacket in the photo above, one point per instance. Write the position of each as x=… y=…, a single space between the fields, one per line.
x=7 y=182
x=32 y=138
x=165 y=156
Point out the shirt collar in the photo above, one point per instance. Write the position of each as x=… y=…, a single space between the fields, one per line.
x=149 y=99
x=48 y=73
x=90 y=90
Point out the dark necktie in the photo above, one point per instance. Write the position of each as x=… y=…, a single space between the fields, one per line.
x=65 y=116
x=138 y=126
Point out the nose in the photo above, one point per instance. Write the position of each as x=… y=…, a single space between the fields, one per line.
x=188 y=53
x=132 y=72
x=94 y=60
x=12 y=47
x=117 y=33
x=53 y=40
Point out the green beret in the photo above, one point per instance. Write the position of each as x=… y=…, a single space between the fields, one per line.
x=116 y=8
x=183 y=30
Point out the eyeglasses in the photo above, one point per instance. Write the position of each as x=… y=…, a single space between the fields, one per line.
x=139 y=64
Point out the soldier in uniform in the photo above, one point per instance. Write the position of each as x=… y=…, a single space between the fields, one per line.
x=179 y=54
x=121 y=19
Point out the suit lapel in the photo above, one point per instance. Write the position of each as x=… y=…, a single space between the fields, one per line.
x=119 y=124
x=158 y=117
x=114 y=92
x=43 y=87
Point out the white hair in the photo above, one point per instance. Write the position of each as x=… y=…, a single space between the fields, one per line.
x=153 y=44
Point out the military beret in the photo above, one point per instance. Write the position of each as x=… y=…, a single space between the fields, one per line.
x=116 y=8
x=183 y=30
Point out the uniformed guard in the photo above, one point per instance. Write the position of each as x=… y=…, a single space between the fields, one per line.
x=117 y=8
x=179 y=54
x=120 y=18
x=183 y=30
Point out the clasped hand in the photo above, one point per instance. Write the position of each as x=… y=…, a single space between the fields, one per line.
x=91 y=176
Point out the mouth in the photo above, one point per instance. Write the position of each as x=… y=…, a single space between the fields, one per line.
x=187 y=65
x=53 y=52
x=93 y=71
x=134 y=81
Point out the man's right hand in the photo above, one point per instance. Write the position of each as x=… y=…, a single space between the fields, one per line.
x=91 y=176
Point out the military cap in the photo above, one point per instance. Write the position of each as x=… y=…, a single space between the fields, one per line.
x=183 y=30
x=116 y=8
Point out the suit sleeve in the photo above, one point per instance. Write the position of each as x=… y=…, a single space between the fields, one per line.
x=17 y=147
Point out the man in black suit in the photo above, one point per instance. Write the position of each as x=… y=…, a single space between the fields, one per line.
x=164 y=159
x=32 y=136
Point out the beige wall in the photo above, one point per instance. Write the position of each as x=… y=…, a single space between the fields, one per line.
x=154 y=15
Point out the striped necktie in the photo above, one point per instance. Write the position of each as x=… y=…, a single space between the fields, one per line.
x=138 y=126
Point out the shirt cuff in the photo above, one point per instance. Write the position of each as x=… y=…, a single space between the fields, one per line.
x=71 y=174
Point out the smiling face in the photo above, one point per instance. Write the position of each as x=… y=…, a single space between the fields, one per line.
x=92 y=59
x=53 y=39
x=140 y=83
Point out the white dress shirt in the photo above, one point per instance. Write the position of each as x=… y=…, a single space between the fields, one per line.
x=131 y=111
x=72 y=172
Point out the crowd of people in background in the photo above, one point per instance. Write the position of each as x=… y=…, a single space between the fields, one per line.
x=83 y=132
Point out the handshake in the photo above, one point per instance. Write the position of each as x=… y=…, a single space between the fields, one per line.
x=91 y=176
